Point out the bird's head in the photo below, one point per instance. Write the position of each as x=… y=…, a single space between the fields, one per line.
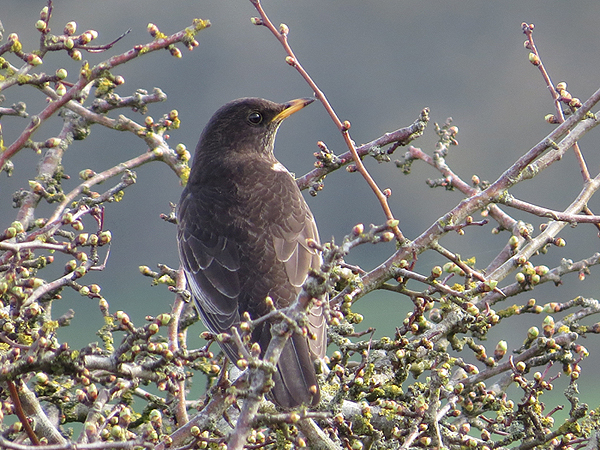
x=246 y=125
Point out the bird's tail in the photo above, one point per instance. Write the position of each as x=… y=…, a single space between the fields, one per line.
x=295 y=379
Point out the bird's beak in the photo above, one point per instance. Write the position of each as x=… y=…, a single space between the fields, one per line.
x=291 y=107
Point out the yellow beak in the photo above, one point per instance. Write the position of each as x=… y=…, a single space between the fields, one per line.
x=291 y=107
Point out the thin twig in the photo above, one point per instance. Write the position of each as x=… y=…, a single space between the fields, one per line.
x=343 y=127
x=14 y=395
x=528 y=31
x=173 y=335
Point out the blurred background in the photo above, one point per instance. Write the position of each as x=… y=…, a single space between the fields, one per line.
x=379 y=63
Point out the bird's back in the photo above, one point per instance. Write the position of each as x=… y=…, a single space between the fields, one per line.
x=243 y=238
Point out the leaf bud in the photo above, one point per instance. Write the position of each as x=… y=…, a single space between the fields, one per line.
x=61 y=73
x=358 y=229
x=75 y=55
x=105 y=237
x=60 y=89
x=548 y=326
x=425 y=441
x=70 y=28
x=164 y=319
x=472 y=369
x=153 y=29
x=41 y=378
x=387 y=236
x=34 y=60
x=14 y=38
x=565 y=96
x=392 y=223
x=18 y=226
x=180 y=149
x=534 y=59
x=93 y=34
x=85 y=38
x=175 y=52
x=94 y=288
x=500 y=350
x=533 y=333
x=490 y=285
x=471 y=308
x=560 y=242
x=52 y=142
x=70 y=266
x=449 y=267
x=561 y=86
x=269 y=302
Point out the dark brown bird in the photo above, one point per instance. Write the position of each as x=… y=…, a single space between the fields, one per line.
x=243 y=226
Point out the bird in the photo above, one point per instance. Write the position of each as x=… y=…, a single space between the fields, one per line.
x=243 y=235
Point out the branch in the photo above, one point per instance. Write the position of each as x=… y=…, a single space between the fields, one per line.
x=509 y=200
x=87 y=75
x=173 y=334
x=553 y=228
x=402 y=136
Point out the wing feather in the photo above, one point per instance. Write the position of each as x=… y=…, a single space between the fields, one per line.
x=211 y=264
x=290 y=236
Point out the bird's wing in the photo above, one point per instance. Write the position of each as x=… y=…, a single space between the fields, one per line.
x=290 y=233
x=211 y=263
x=289 y=239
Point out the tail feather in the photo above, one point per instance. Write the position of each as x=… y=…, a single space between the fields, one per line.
x=295 y=379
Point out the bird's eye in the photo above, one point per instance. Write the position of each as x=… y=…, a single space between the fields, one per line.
x=255 y=118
